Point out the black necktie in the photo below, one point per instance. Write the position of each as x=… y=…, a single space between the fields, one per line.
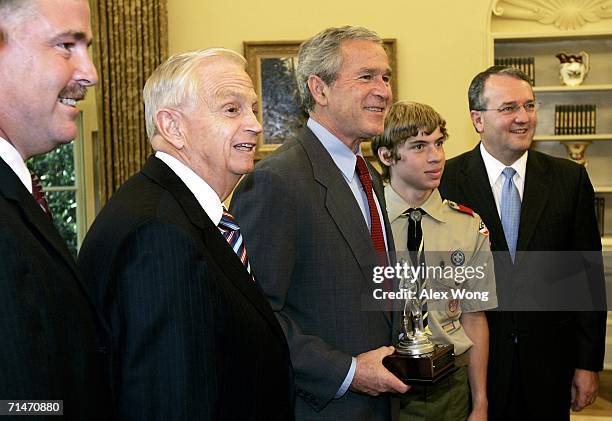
x=415 y=235
x=416 y=250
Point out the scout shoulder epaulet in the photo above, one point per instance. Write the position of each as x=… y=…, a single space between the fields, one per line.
x=482 y=228
x=460 y=208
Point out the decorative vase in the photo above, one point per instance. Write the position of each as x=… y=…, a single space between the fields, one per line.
x=573 y=68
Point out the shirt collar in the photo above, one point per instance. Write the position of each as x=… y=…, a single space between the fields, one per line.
x=343 y=157
x=396 y=205
x=204 y=194
x=434 y=205
x=495 y=167
x=13 y=159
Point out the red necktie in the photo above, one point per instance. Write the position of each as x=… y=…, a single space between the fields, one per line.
x=376 y=233
x=39 y=195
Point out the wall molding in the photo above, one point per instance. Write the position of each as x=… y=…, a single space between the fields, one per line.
x=563 y=14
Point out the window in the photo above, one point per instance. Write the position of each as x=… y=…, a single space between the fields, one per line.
x=62 y=177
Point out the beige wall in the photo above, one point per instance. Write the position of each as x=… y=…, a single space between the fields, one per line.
x=441 y=44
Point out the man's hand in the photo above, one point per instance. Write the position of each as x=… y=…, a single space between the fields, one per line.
x=585 y=386
x=371 y=376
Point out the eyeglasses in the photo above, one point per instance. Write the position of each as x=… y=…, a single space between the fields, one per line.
x=511 y=109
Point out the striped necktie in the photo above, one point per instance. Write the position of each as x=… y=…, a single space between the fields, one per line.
x=39 y=194
x=415 y=246
x=231 y=232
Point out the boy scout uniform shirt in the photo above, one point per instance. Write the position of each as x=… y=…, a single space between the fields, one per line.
x=455 y=238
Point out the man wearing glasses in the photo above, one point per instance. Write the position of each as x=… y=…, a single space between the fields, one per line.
x=540 y=362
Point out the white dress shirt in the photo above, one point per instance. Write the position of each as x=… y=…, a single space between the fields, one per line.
x=204 y=194
x=497 y=179
x=13 y=159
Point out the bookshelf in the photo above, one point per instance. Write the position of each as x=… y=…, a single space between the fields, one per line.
x=518 y=29
x=584 y=137
x=571 y=89
x=592 y=150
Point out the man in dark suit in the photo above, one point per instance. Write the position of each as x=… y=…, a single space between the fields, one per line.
x=535 y=206
x=314 y=224
x=47 y=322
x=193 y=336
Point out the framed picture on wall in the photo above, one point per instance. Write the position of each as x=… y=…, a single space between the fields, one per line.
x=272 y=66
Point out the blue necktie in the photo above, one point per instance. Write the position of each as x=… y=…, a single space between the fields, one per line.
x=510 y=210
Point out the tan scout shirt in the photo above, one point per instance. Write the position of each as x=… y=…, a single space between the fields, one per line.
x=455 y=239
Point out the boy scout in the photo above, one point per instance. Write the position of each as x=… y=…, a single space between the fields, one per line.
x=411 y=153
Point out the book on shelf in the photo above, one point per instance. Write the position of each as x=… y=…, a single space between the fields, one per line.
x=575 y=119
x=525 y=64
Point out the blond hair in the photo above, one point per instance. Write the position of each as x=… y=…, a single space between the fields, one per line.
x=405 y=120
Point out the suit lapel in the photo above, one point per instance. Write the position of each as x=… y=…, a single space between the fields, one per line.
x=40 y=224
x=42 y=227
x=341 y=205
x=478 y=191
x=215 y=244
x=380 y=195
x=535 y=197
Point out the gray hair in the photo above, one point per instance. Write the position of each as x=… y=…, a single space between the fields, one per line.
x=476 y=90
x=321 y=55
x=10 y=7
x=11 y=12
x=176 y=82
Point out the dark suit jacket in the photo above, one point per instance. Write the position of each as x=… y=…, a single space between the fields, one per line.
x=556 y=215
x=193 y=337
x=47 y=322
x=311 y=250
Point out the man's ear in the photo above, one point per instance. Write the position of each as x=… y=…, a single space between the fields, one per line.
x=318 y=89
x=477 y=121
x=384 y=155
x=170 y=127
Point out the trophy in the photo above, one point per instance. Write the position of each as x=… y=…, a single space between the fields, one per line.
x=416 y=359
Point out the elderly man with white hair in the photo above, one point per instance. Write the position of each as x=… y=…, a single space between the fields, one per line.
x=193 y=335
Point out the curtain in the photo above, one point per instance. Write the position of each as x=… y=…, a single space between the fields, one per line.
x=130 y=41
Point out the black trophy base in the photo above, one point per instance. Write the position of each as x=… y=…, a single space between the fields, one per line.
x=422 y=369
